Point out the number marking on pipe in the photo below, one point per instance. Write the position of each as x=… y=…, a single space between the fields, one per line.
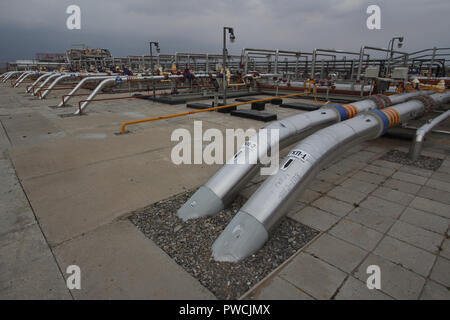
x=299 y=154
x=295 y=154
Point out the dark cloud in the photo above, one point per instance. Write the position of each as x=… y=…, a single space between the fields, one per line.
x=125 y=27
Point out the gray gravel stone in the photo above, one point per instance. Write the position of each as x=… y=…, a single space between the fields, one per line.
x=423 y=162
x=189 y=244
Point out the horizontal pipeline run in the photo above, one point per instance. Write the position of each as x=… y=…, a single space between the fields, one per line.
x=209 y=109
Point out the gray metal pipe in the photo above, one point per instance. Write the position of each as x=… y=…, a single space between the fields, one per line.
x=417 y=143
x=249 y=229
x=222 y=188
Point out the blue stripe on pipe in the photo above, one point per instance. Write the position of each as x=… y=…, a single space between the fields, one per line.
x=342 y=111
x=384 y=118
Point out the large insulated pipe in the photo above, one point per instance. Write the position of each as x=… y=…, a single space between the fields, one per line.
x=416 y=145
x=65 y=76
x=249 y=229
x=222 y=188
x=80 y=84
x=34 y=84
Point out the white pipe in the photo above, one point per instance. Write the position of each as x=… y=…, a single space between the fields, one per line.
x=53 y=84
x=5 y=74
x=416 y=146
x=45 y=75
x=13 y=73
x=52 y=76
x=120 y=79
x=18 y=82
x=79 y=85
x=23 y=75
x=65 y=76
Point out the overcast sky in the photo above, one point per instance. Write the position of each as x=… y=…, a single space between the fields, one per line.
x=125 y=26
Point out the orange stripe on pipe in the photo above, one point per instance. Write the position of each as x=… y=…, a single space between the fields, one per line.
x=393 y=115
x=352 y=110
x=386 y=112
x=390 y=116
x=349 y=111
x=397 y=114
x=355 y=109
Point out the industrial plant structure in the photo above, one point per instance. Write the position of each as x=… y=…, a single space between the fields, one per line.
x=338 y=99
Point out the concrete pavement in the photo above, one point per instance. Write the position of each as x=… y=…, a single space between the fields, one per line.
x=371 y=212
x=69 y=182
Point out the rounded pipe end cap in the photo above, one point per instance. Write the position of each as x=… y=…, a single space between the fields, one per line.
x=243 y=236
x=204 y=202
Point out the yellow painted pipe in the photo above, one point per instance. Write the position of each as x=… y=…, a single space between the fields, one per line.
x=209 y=109
x=240 y=84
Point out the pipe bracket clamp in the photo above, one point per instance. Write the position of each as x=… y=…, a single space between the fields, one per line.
x=428 y=102
x=386 y=99
x=380 y=101
x=377 y=100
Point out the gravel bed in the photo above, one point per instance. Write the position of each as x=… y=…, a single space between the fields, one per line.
x=189 y=244
x=423 y=162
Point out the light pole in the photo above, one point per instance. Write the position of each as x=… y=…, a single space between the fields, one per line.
x=225 y=54
x=391 y=49
x=156 y=44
